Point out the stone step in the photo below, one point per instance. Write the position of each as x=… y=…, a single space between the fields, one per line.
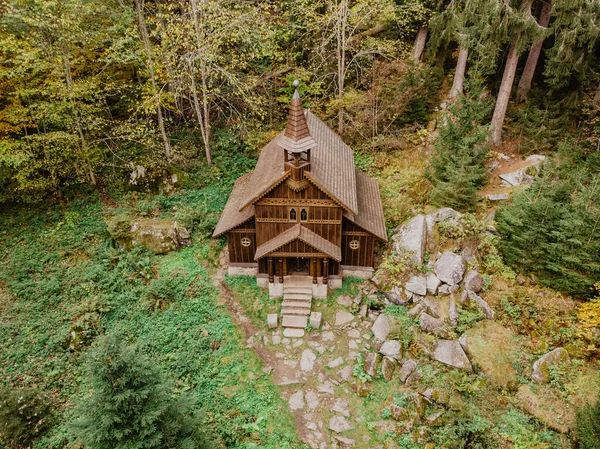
x=297 y=296
x=292 y=311
x=298 y=322
x=302 y=290
x=290 y=332
x=296 y=304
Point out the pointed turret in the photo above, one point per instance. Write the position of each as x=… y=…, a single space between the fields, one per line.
x=296 y=138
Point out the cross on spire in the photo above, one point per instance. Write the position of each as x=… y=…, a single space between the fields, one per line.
x=296 y=137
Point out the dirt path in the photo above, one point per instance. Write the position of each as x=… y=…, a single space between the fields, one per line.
x=314 y=372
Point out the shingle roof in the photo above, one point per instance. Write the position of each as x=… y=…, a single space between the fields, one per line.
x=296 y=137
x=232 y=216
x=370 y=210
x=306 y=235
x=331 y=167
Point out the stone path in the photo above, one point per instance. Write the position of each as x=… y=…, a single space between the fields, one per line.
x=314 y=372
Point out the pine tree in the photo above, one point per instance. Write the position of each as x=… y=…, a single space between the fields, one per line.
x=130 y=405
x=457 y=169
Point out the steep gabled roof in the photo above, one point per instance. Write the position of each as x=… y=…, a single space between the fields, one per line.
x=301 y=233
x=331 y=167
x=232 y=216
x=370 y=210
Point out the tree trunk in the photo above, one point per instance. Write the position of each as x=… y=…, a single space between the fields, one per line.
x=420 y=43
x=508 y=79
x=148 y=50
x=459 y=74
x=203 y=116
x=597 y=96
x=534 y=54
x=82 y=141
x=341 y=60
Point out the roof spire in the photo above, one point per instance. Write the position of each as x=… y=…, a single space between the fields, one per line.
x=296 y=137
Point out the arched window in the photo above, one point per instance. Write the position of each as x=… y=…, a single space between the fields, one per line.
x=303 y=215
x=293 y=215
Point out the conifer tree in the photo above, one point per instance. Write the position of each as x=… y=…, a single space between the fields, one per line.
x=553 y=228
x=131 y=406
x=457 y=169
x=576 y=33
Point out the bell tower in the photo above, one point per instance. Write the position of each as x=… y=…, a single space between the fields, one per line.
x=296 y=143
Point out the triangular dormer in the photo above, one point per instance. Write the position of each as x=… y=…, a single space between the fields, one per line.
x=296 y=143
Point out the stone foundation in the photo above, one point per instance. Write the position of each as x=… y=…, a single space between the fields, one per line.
x=242 y=271
x=275 y=289
x=357 y=272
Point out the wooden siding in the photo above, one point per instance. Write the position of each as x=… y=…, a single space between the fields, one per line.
x=237 y=252
x=272 y=213
x=363 y=255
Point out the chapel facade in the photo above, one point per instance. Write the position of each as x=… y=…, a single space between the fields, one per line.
x=305 y=210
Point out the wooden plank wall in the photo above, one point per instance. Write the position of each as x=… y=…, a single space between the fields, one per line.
x=237 y=252
x=361 y=257
x=272 y=213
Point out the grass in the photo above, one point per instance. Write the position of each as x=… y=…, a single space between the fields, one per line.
x=59 y=267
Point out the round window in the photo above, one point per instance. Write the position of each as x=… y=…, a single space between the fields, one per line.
x=354 y=244
x=246 y=241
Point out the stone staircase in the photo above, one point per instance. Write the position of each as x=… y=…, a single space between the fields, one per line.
x=297 y=301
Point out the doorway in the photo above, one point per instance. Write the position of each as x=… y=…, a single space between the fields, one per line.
x=297 y=265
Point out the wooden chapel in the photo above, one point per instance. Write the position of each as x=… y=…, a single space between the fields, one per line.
x=304 y=211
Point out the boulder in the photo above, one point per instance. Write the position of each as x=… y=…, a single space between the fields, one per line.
x=449 y=268
x=524 y=175
x=341 y=406
x=419 y=403
x=435 y=419
x=452 y=312
x=443 y=214
x=547 y=406
x=417 y=284
x=392 y=348
x=407 y=368
x=372 y=360
x=495 y=350
x=399 y=413
x=432 y=284
x=158 y=236
x=411 y=238
x=482 y=304
x=388 y=366
x=473 y=281
x=541 y=373
x=396 y=296
x=381 y=327
x=444 y=290
x=429 y=323
x=450 y=352
x=416 y=310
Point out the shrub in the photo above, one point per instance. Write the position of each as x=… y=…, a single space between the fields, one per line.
x=23 y=415
x=588 y=426
x=130 y=404
x=457 y=169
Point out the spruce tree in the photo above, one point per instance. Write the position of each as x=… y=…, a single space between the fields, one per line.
x=131 y=406
x=553 y=228
x=457 y=170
